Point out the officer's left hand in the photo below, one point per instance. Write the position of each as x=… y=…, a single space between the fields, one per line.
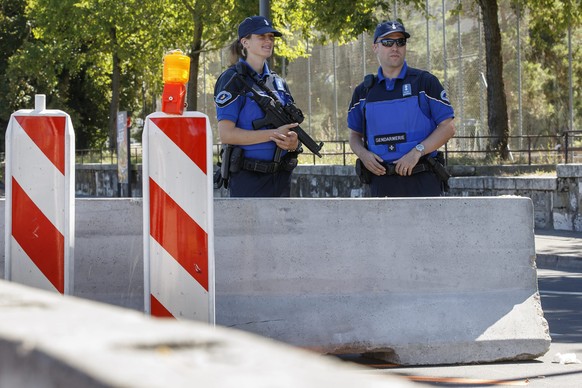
x=405 y=164
x=285 y=138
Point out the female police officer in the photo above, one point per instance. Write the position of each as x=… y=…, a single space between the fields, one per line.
x=398 y=121
x=257 y=169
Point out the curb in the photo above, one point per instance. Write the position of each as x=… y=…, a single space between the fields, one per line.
x=558 y=262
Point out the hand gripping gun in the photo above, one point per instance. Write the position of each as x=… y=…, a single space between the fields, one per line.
x=276 y=114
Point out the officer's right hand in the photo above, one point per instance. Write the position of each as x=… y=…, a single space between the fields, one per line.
x=285 y=137
x=373 y=163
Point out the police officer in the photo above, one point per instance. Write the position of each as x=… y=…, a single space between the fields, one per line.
x=398 y=118
x=259 y=171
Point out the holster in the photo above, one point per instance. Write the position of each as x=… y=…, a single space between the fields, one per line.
x=236 y=159
x=290 y=161
x=222 y=175
x=363 y=173
x=437 y=165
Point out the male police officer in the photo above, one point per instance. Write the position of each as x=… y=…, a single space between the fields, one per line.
x=398 y=119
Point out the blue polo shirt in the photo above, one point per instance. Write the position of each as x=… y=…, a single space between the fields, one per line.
x=243 y=110
x=400 y=113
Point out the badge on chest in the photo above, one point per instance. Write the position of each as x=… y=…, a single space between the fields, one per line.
x=390 y=140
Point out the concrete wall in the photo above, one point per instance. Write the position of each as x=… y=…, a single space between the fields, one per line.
x=100 y=180
x=541 y=190
x=50 y=341
x=557 y=198
x=108 y=251
x=421 y=281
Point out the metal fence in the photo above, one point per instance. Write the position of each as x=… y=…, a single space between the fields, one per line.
x=450 y=45
x=529 y=149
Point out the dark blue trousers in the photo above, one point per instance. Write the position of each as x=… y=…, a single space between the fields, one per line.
x=423 y=184
x=257 y=184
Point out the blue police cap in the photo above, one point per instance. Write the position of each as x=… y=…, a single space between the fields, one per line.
x=256 y=25
x=389 y=27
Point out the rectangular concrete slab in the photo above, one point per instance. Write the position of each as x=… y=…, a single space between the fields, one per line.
x=417 y=281
x=48 y=340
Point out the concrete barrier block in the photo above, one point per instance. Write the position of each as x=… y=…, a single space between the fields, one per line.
x=314 y=182
x=109 y=251
x=2 y=239
x=461 y=170
x=475 y=183
x=535 y=183
x=421 y=281
x=48 y=340
x=562 y=220
x=569 y=170
x=503 y=184
x=325 y=170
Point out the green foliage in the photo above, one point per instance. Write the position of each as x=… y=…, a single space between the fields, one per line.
x=69 y=58
x=13 y=29
x=547 y=55
x=13 y=32
x=326 y=21
x=66 y=50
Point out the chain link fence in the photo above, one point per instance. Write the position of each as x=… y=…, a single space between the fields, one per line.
x=452 y=47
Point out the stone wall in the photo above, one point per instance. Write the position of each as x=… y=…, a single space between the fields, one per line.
x=567 y=198
x=100 y=180
x=540 y=189
x=556 y=197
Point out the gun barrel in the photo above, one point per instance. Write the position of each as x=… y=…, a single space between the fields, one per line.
x=308 y=141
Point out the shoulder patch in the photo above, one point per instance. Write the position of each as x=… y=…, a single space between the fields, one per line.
x=223 y=98
x=444 y=96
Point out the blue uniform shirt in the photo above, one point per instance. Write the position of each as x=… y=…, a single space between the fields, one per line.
x=243 y=110
x=400 y=113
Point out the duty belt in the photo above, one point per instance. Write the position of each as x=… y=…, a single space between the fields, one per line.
x=260 y=166
x=420 y=167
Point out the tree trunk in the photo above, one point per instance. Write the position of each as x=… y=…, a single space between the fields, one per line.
x=496 y=100
x=115 y=91
x=196 y=46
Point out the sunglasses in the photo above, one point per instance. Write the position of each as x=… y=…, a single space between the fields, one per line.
x=387 y=42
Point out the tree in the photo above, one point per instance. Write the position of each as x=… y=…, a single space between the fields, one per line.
x=91 y=55
x=126 y=32
x=13 y=33
x=550 y=23
x=550 y=19
x=496 y=99
x=212 y=24
x=209 y=25
x=112 y=50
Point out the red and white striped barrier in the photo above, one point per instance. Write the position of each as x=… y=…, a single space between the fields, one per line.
x=178 y=216
x=40 y=198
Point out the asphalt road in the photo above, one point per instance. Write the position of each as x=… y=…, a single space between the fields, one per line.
x=561 y=292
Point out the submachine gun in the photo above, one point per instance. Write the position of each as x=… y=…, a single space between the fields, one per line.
x=276 y=114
